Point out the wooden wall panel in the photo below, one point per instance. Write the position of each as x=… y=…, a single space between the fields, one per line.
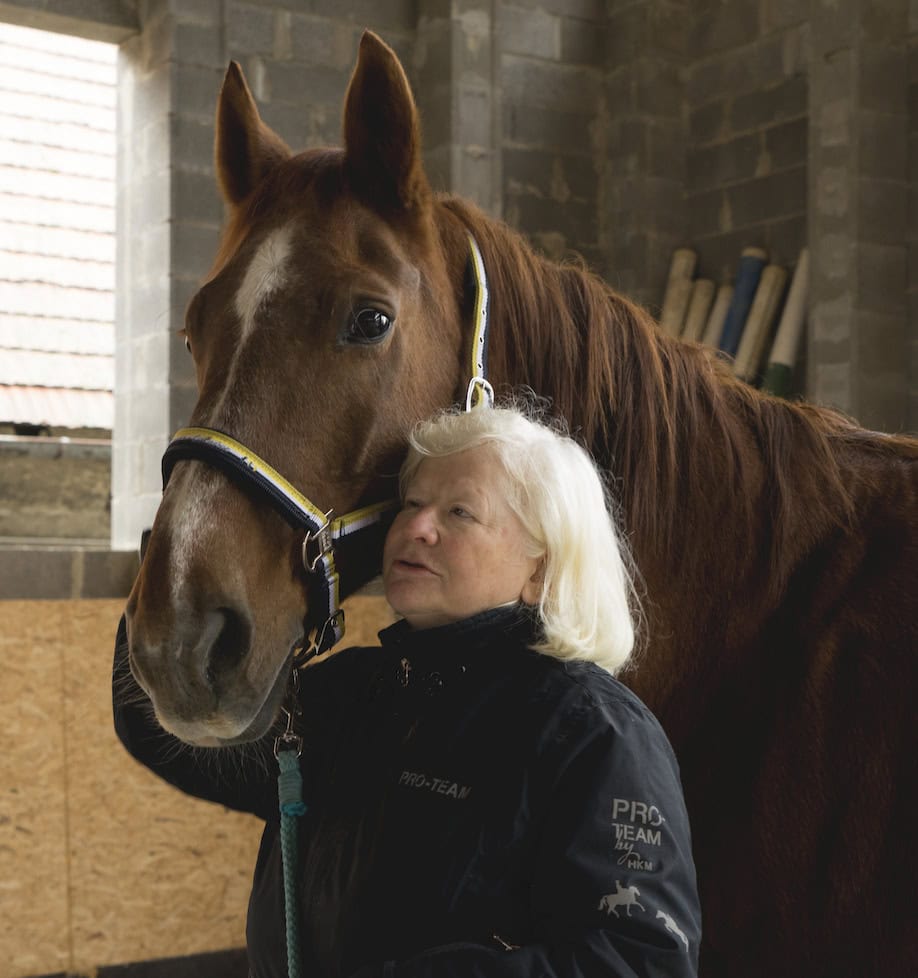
x=100 y=862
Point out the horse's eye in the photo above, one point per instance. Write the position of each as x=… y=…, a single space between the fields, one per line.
x=368 y=326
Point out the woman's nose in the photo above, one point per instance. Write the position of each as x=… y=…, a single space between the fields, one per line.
x=422 y=525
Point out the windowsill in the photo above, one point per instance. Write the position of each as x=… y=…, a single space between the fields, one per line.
x=64 y=570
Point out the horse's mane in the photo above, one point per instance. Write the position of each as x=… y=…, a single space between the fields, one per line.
x=668 y=417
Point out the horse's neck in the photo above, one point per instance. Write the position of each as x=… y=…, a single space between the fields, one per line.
x=722 y=490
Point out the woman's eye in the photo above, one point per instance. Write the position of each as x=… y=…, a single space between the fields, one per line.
x=188 y=344
x=461 y=513
x=368 y=326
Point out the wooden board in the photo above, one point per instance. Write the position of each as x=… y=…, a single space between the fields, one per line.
x=100 y=862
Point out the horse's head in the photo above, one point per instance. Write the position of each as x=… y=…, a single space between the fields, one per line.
x=331 y=322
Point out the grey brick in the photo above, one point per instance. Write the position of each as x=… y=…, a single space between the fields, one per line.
x=783 y=239
x=779 y=14
x=207 y=13
x=436 y=107
x=882 y=276
x=708 y=123
x=765 y=107
x=474 y=121
x=549 y=175
x=627 y=34
x=198 y=45
x=912 y=57
x=668 y=29
x=195 y=199
x=317 y=41
x=666 y=144
x=882 y=145
x=182 y=401
x=659 y=88
x=620 y=90
x=881 y=21
x=735 y=72
x=584 y=9
x=192 y=143
x=704 y=213
x=777 y=195
x=727 y=26
x=108 y=573
x=378 y=15
x=545 y=127
x=152 y=93
x=627 y=146
x=304 y=84
x=575 y=220
x=729 y=74
x=583 y=42
x=723 y=163
x=249 y=27
x=882 y=211
x=195 y=91
x=530 y=32
x=35 y=574
x=541 y=84
x=193 y=247
x=786 y=144
x=883 y=77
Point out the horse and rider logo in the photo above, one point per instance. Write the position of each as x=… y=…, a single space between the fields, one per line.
x=624 y=896
x=627 y=897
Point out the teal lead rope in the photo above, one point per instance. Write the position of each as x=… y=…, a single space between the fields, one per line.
x=287 y=750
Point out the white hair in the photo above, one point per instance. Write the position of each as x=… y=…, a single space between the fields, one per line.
x=589 y=608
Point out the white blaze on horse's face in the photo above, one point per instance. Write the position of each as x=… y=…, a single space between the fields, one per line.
x=266 y=274
x=264 y=278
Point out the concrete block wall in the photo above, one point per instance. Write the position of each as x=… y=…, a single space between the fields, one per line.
x=643 y=206
x=550 y=73
x=746 y=106
x=617 y=129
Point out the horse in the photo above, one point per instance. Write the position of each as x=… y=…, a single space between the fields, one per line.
x=776 y=541
x=624 y=896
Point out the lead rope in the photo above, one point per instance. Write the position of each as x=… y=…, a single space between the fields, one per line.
x=287 y=750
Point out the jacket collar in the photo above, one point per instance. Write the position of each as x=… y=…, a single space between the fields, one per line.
x=512 y=626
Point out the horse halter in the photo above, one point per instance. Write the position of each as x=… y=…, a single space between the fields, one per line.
x=326 y=536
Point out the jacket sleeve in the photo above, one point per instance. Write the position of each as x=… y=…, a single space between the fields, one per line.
x=613 y=890
x=243 y=778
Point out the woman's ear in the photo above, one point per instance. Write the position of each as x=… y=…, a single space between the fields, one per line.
x=532 y=589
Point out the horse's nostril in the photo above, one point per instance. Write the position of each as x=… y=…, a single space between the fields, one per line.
x=228 y=650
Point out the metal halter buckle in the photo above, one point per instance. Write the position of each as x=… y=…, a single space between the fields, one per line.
x=303 y=655
x=317 y=545
x=289 y=740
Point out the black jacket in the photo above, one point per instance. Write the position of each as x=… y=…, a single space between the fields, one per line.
x=474 y=809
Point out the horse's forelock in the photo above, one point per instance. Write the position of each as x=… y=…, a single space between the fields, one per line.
x=317 y=171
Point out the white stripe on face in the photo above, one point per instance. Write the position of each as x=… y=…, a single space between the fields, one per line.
x=264 y=276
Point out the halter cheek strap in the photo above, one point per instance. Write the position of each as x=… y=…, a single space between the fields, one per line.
x=324 y=536
x=479 y=391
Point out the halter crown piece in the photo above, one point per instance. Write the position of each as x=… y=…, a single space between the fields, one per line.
x=480 y=392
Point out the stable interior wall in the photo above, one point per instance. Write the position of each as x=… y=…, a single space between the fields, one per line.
x=100 y=862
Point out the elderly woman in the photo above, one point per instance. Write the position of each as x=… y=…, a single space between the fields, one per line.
x=484 y=798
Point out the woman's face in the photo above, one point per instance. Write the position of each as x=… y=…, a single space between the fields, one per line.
x=456 y=547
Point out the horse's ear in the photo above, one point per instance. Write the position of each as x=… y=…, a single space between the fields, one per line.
x=244 y=147
x=382 y=132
